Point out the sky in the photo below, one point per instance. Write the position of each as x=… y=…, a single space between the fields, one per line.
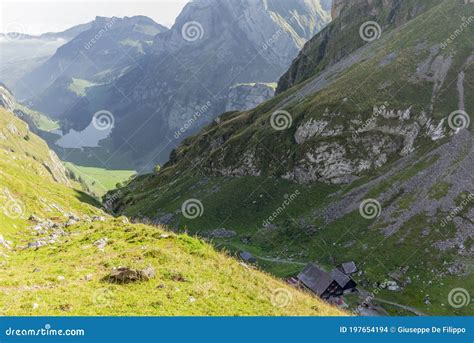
x=39 y=16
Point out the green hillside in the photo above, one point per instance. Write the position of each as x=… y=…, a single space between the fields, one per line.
x=58 y=251
x=98 y=181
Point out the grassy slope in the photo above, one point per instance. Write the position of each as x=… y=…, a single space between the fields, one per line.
x=79 y=86
x=40 y=121
x=242 y=204
x=192 y=278
x=99 y=180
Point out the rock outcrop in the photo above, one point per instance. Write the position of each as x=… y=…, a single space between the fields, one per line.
x=16 y=133
x=7 y=100
x=247 y=96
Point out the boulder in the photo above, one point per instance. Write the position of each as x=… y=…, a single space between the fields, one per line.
x=73 y=217
x=101 y=243
x=126 y=275
x=4 y=243
x=37 y=244
x=71 y=222
x=220 y=233
x=35 y=218
x=392 y=286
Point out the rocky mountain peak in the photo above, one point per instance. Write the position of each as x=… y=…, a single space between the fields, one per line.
x=7 y=100
x=283 y=24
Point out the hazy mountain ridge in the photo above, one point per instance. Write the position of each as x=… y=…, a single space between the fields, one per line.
x=97 y=54
x=21 y=53
x=173 y=83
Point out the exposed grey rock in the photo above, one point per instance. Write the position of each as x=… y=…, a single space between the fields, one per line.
x=73 y=217
x=309 y=129
x=37 y=244
x=245 y=166
x=392 y=286
x=388 y=59
x=34 y=218
x=220 y=233
x=165 y=219
x=246 y=96
x=4 y=243
x=126 y=275
x=457 y=268
x=98 y=218
x=56 y=169
x=7 y=100
x=71 y=222
x=101 y=243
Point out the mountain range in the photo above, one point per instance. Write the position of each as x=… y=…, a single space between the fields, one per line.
x=163 y=87
x=369 y=138
x=20 y=53
x=294 y=132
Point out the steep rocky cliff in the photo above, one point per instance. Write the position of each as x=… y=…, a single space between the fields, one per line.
x=7 y=101
x=19 y=142
x=247 y=96
x=342 y=37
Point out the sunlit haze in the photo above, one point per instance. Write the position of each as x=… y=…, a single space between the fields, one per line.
x=36 y=17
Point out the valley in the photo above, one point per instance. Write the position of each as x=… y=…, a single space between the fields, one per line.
x=58 y=247
x=200 y=169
